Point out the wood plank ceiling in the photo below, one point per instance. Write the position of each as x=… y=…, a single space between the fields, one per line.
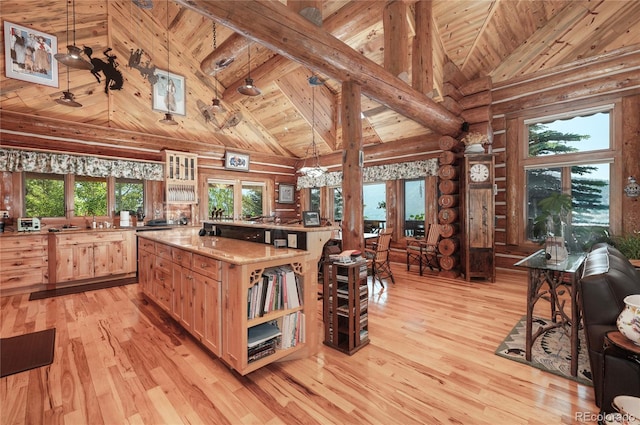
x=501 y=39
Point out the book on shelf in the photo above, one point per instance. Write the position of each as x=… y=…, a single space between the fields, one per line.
x=261 y=333
x=279 y=288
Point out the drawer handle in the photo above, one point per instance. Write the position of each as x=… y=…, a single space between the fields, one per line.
x=203 y=265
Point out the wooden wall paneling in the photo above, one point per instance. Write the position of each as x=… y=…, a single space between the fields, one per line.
x=630 y=162
x=514 y=180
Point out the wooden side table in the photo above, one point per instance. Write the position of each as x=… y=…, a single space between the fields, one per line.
x=617 y=339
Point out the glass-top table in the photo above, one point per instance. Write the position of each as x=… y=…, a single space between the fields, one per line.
x=547 y=280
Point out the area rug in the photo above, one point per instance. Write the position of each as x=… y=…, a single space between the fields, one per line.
x=25 y=352
x=551 y=351
x=81 y=288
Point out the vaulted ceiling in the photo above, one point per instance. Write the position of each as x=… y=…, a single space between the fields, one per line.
x=503 y=39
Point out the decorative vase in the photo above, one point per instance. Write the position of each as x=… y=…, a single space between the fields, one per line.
x=629 y=319
x=475 y=148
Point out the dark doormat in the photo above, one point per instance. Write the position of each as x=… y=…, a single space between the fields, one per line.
x=81 y=288
x=24 y=352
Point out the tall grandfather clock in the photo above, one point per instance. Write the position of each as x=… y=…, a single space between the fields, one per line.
x=479 y=217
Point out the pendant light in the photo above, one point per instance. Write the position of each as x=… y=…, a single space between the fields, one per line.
x=248 y=89
x=316 y=170
x=73 y=56
x=168 y=116
x=215 y=104
x=67 y=98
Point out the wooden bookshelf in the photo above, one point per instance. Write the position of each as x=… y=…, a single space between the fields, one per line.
x=345 y=311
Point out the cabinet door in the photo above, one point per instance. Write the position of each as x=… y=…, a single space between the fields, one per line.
x=74 y=261
x=212 y=325
x=199 y=305
x=481 y=218
x=145 y=271
x=110 y=258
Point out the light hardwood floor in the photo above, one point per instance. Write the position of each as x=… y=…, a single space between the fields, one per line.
x=431 y=360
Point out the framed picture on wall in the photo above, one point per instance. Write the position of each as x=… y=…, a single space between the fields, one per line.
x=169 y=93
x=311 y=218
x=29 y=54
x=236 y=161
x=286 y=193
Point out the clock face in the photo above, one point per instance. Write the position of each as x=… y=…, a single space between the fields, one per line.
x=479 y=173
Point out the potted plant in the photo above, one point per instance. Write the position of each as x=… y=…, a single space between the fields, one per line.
x=628 y=245
x=475 y=142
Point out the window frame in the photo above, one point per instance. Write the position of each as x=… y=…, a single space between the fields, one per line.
x=517 y=138
x=238 y=185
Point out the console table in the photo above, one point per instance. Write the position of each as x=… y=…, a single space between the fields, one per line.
x=547 y=280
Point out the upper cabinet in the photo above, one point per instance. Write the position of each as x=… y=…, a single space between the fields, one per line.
x=181 y=177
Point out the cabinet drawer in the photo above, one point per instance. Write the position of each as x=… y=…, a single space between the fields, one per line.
x=163 y=251
x=10 y=264
x=10 y=279
x=163 y=264
x=147 y=245
x=19 y=254
x=22 y=243
x=181 y=257
x=206 y=266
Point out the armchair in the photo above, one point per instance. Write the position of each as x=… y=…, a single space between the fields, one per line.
x=424 y=251
x=378 y=258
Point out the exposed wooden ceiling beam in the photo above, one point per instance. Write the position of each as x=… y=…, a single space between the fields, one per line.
x=291 y=35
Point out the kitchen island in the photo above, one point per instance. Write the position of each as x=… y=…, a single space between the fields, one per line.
x=216 y=288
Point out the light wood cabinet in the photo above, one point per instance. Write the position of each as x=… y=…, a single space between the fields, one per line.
x=79 y=255
x=185 y=285
x=23 y=263
x=181 y=177
x=209 y=299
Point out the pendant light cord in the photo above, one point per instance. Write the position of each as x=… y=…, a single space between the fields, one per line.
x=74 y=22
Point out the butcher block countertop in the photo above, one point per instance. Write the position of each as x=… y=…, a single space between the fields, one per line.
x=229 y=250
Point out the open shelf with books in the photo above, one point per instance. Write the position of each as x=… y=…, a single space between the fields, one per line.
x=270 y=321
x=346 y=321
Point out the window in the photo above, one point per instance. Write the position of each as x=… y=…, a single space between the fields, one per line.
x=252 y=196
x=565 y=156
x=374 y=198
x=129 y=195
x=314 y=199
x=236 y=199
x=44 y=195
x=221 y=199
x=90 y=196
x=337 y=204
x=414 y=207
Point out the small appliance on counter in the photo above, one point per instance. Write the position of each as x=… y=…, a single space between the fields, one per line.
x=28 y=224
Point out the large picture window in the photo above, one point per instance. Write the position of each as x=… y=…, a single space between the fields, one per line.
x=565 y=156
x=129 y=195
x=414 y=207
x=90 y=196
x=44 y=195
x=236 y=199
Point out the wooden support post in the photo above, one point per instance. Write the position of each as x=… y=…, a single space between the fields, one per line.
x=422 y=65
x=353 y=156
x=396 y=51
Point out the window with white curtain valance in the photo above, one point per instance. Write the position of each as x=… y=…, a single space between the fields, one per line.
x=15 y=160
x=376 y=173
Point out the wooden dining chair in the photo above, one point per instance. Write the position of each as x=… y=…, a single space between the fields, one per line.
x=378 y=258
x=424 y=251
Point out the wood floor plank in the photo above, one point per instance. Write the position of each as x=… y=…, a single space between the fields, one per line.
x=119 y=359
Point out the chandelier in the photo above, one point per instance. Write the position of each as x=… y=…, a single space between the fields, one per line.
x=315 y=170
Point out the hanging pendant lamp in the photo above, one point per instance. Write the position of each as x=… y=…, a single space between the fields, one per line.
x=67 y=98
x=315 y=170
x=168 y=116
x=215 y=103
x=248 y=89
x=73 y=56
